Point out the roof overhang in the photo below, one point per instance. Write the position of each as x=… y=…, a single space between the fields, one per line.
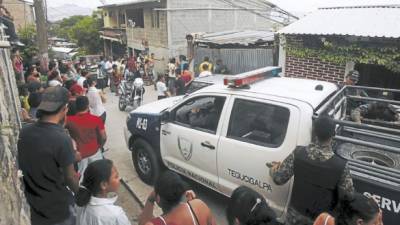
x=127 y=3
x=111 y=38
x=111 y=35
x=360 y=21
x=234 y=38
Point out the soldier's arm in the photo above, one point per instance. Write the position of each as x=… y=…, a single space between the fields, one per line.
x=283 y=171
x=346 y=182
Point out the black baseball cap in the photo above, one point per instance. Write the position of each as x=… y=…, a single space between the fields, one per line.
x=53 y=98
x=34 y=86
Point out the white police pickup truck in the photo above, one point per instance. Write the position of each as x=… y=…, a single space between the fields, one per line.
x=223 y=135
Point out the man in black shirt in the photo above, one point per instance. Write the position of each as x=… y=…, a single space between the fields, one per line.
x=46 y=157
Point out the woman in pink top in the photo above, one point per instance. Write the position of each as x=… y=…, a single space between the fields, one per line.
x=18 y=65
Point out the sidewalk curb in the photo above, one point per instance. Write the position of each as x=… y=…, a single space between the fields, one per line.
x=132 y=193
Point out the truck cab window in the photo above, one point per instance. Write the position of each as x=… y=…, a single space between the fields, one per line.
x=258 y=123
x=201 y=113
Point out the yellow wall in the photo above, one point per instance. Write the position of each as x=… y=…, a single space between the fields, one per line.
x=110 y=21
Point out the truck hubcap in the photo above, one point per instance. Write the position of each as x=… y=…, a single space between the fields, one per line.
x=144 y=163
x=375 y=158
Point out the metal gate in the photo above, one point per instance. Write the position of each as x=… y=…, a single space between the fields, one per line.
x=237 y=60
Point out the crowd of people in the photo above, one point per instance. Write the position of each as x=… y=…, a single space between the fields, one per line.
x=179 y=76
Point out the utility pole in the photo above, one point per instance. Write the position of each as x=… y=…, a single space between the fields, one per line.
x=41 y=30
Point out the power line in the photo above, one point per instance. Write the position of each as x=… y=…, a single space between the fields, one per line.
x=252 y=11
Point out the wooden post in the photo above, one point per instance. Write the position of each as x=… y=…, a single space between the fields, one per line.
x=41 y=30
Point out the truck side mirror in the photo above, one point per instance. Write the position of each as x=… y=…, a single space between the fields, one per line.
x=165 y=117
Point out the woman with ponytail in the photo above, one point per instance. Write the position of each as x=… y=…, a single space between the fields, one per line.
x=355 y=209
x=247 y=207
x=96 y=196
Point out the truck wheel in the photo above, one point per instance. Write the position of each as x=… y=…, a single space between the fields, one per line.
x=121 y=103
x=145 y=161
x=370 y=155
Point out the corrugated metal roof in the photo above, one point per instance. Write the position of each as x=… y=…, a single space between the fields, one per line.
x=363 y=21
x=112 y=3
x=62 y=49
x=234 y=37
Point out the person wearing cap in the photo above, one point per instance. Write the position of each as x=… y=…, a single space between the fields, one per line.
x=46 y=159
x=89 y=133
x=352 y=77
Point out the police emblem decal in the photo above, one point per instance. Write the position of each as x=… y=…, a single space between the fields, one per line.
x=185 y=147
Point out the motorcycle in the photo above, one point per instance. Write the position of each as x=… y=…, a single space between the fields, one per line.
x=131 y=93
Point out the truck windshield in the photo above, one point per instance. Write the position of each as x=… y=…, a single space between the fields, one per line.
x=195 y=86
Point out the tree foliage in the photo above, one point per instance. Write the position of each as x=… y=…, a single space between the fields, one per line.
x=83 y=30
x=61 y=28
x=86 y=34
x=27 y=35
x=340 y=51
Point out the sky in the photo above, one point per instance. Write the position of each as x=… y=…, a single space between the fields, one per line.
x=289 y=5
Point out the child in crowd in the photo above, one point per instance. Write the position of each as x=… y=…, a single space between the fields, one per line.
x=162 y=90
x=247 y=207
x=96 y=207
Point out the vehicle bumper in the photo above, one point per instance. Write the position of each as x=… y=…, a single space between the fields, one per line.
x=127 y=136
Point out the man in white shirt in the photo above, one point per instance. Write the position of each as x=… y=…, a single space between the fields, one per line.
x=162 y=90
x=82 y=78
x=96 y=100
x=108 y=69
x=171 y=76
x=205 y=72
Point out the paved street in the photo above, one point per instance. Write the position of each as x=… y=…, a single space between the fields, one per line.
x=131 y=207
x=119 y=153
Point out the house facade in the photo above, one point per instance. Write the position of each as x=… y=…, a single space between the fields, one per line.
x=328 y=43
x=161 y=26
x=22 y=12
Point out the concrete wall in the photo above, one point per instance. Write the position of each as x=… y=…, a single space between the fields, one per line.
x=183 y=22
x=14 y=209
x=157 y=38
x=22 y=12
x=110 y=21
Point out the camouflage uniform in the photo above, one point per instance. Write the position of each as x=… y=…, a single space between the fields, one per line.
x=285 y=171
x=364 y=111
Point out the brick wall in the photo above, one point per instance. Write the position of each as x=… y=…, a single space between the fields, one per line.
x=314 y=68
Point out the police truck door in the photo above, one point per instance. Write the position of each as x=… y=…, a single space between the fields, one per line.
x=258 y=131
x=189 y=142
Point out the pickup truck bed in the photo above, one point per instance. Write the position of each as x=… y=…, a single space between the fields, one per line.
x=372 y=149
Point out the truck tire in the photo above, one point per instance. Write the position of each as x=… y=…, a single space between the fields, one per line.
x=145 y=161
x=366 y=154
x=121 y=103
